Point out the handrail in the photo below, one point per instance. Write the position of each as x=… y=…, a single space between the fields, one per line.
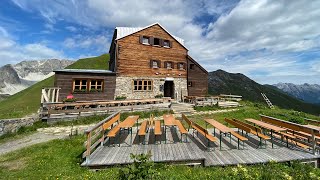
x=90 y=129
x=95 y=136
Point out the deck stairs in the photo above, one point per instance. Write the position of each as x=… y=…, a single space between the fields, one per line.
x=267 y=100
x=185 y=108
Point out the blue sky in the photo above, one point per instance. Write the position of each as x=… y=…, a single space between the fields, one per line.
x=269 y=41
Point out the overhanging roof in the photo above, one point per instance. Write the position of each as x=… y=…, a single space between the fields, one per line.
x=88 y=71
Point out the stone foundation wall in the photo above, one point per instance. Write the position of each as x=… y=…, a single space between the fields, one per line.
x=124 y=87
x=13 y=125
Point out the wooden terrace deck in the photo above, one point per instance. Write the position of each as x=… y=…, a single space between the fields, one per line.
x=194 y=151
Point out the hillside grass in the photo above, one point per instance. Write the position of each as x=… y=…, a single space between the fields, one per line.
x=252 y=110
x=99 y=62
x=28 y=101
x=24 y=102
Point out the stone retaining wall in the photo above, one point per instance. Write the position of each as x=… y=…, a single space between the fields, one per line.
x=13 y=125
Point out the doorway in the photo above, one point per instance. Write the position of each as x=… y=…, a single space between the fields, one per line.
x=169 y=89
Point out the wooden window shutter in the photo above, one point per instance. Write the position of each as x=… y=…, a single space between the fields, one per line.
x=184 y=66
x=151 y=63
x=159 y=63
x=172 y=64
x=170 y=44
x=151 y=41
x=141 y=39
x=161 y=42
x=165 y=64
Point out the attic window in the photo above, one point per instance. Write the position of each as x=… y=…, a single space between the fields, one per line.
x=166 y=43
x=145 y=40
x=191 y=66
x=156 y=41
x=190 y=83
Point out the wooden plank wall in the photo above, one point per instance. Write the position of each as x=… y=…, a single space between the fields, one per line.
x=199 y=79
x=65 y=82
x=134 y=58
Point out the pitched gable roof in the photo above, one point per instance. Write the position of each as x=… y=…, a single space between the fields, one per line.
x=126 y=31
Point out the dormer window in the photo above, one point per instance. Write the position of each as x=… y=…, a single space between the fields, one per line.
x=156 y=41
x=145 y=40
x=166 y=43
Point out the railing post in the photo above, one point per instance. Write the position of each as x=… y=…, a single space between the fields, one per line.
x=313 y=142
x=88 y=147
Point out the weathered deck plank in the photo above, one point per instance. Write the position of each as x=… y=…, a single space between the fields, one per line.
x=193 y=151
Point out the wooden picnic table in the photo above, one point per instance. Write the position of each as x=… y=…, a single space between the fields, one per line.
x=264 y=125
x=222 y=128
x=128 y=123
x=169 y=121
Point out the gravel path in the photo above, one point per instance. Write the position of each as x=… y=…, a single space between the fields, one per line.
x=29 y=140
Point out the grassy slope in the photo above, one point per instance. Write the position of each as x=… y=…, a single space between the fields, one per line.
x=28 y=100
x=99 y=62
x=25 y=102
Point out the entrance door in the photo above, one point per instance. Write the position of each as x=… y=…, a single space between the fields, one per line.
x=169 y=89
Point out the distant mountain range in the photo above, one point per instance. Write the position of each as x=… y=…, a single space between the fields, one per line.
x=222 y=82
x=14 y=78
x=306 y=92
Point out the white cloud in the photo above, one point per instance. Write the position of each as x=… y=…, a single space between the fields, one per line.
x=72 y=28
x=99 y=42
x=13 y=52
x=249 y=36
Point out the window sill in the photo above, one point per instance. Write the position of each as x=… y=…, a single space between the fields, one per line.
x=146 y=44
x=156 y=45
x=167 y=47
x=142 y=91
x=155 y=67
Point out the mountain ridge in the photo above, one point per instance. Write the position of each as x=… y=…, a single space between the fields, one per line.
x=222 y=82
x=307 y=92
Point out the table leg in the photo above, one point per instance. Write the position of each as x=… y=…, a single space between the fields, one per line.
x=271 y=138
x=131 y=137
x=165 y=134
x=220 y=139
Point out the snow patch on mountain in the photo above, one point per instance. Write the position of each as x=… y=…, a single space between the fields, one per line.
x=15 y=78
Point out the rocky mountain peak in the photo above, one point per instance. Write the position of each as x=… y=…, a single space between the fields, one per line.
x=8 y=74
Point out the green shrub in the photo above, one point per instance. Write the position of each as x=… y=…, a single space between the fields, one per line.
x=142 y=168
x=119 y=98
x=159 y=96
x=70 y=100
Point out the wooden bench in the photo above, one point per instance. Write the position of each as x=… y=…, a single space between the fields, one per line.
x=247 y=129
x=143 y=130
x=110 y=124
x=157 y=130
x=182 y=130
x=113 y=133
x=254 y=130
x=200 y=130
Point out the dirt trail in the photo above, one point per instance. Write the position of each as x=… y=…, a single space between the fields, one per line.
x=29 y=140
